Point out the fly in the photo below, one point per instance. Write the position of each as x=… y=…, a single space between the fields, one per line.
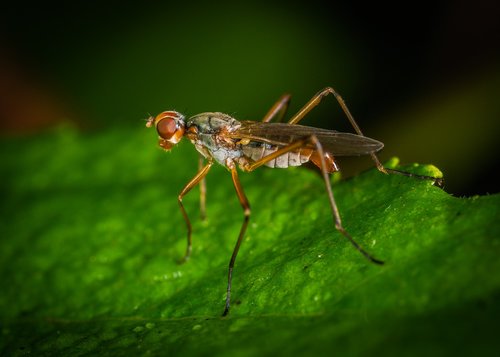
x=248 y=145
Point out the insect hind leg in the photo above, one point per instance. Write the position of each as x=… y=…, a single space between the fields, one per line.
x=314 y=101
x=318 y=97
x=438 y=181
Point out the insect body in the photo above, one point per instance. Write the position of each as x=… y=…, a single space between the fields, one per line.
x=248 y=145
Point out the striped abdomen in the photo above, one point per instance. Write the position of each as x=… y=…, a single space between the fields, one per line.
x=257 y=150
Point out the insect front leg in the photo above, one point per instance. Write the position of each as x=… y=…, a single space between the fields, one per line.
x=246 y=211
x=279 y=108
x=194 y=181
x=312 y=140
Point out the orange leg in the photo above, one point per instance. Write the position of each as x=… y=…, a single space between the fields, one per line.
x=195 y=180
x=203 y=191
x=279 y=108
x=309 y=141
x=314 y=101
x=312 y=140
x=246 y=210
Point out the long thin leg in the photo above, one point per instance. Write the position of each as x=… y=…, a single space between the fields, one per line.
x=203 y=191
x=194 y=181
x=312 y=140
x=333 y=205
x=314 y=101
x=246 y=210
x=279 y=108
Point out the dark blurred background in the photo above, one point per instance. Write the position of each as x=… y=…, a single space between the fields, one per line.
x=422 y=78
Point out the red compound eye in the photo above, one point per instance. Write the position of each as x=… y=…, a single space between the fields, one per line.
x=166 y=128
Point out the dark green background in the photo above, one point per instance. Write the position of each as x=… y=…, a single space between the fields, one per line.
x=423 y=79
x=90 y=228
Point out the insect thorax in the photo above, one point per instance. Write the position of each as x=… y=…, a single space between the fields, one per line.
x=213 y=123
x=211 y=141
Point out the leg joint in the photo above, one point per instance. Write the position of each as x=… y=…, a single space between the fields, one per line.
x=327 y=90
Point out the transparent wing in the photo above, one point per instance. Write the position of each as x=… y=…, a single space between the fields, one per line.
x=334 y=142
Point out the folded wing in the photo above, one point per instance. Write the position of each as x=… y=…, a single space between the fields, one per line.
x=334 y=142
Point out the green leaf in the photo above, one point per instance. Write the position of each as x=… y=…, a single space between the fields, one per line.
x=91 y=232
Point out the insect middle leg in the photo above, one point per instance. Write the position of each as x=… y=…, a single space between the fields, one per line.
x=246 y=211
x=308 y=141
x=314 y=101
x=194 y=181
x=312 y=140
x=203 y=191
